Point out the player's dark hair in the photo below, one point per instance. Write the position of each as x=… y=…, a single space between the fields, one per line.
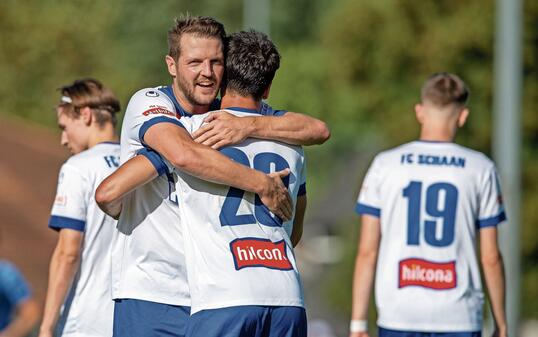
x=199 y=26
x=251 y=63
x=444 y=89
x=89 y=92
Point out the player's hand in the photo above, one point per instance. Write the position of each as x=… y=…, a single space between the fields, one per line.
x=359 y=334
x=276 y=197
x=222 y=129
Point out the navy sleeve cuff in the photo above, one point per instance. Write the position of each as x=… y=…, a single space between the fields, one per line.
x=155 y=159
x=369 y=210
x=149 y=123
x=493 y=221
x=59 y=222
x=302 y=190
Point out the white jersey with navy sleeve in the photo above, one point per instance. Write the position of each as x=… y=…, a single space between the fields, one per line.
x=237 y=252
x=431 y=198
x=88 y=309
x=148 y=259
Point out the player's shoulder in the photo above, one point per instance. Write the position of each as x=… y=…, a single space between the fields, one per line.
x=386 y=157
x=85 y=160
x=146 y=96
x=475 y=158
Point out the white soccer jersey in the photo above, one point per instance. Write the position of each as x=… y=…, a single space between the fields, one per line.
x=88 y=310
x=148 y=259
x=431 y=198
x=237 y=253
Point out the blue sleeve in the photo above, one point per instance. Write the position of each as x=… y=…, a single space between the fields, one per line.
x=149 y=123
x=302 y=190
x=58 y=222
x=155 y=159
x=12 y=284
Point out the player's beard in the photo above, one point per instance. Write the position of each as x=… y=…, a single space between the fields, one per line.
x=187 y=88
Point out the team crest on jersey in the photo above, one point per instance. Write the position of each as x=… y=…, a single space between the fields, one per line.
x=254 y=252
x=427 y=274
x=159 y=110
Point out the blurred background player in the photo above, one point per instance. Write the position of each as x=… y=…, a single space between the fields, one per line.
x=79 y=274
x=422 y=205
x=156 y=289
x=19 y=312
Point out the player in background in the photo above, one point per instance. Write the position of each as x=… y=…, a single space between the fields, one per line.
x=422 y=204
x=149 y=279
x=19 y=312
x=239 y=292
x=79 y=300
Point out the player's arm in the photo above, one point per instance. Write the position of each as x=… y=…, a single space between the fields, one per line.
x=492 y=264
x=63 y=267
x=365 y=265
x=176 y=145
x=224 y=129
x=24 y=319
x=298 y=220
x=134 y=173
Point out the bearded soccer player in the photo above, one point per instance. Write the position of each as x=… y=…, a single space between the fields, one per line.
x=149 y=278
x=422 y=206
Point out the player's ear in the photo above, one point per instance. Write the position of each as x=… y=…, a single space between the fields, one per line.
x=266 y=92
x=462 y=118
x=86 y=115
x=419 y=112
x=171 y=65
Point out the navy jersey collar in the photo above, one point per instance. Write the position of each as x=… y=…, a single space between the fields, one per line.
x=168 y=91
x=252 y=111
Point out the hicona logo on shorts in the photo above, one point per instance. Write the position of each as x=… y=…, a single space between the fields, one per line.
x=254 y=252
x=427 y=274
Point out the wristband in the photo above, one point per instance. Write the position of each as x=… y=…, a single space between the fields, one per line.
x=358 y=325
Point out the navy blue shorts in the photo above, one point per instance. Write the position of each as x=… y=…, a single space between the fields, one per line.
x=396 y=333
x=248 y=321
x=138 y=318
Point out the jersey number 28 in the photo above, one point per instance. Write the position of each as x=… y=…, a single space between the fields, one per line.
x=261 y=162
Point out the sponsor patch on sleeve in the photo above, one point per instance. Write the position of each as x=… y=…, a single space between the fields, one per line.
x=60 y=200
x=159 y=110
x=254 y=252
x=427 y=274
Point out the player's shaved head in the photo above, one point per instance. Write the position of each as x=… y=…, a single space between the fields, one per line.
x=251 y=63
x=444 y=90
x=90 y=93
x=199 y=26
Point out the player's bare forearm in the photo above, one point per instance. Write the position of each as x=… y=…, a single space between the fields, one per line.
x=492 y=264
x=63 y=267
x=365 y=265
x=223 y=129
x=291 y=128
x=134 y=173
x=25 y=318
x=298 y=220
x=201 y=161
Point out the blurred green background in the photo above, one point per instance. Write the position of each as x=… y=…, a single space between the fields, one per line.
x=358 y=65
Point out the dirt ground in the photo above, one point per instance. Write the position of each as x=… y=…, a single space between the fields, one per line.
x=30 y=157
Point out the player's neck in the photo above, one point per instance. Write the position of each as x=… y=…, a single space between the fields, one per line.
x=233 y=100
x=437 y=134
x=102 y=135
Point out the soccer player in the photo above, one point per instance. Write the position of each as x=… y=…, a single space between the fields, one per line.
x=149 y=278
x=19 y=312
x=78 y=292
x=245 y=282
x=422 y=204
